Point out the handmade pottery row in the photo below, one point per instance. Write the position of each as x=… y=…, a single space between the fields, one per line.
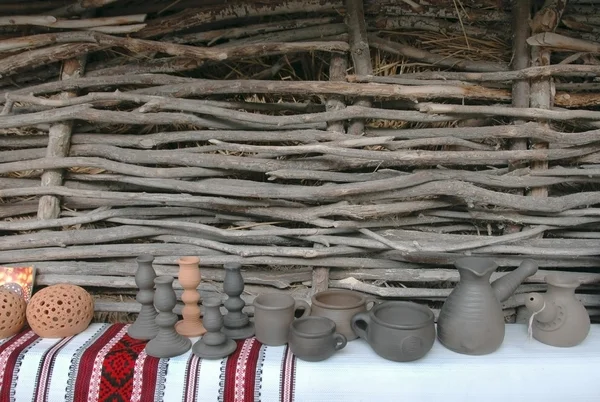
x=471 y=320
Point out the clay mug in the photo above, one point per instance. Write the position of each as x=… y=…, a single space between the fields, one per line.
x=340 y=305
x=273 y=314
x=397 y=330
x=314 y=338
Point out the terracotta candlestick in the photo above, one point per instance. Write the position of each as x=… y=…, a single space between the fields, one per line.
x=214 y=344
x=237 y=325
x=167 y=343
x=189 y=277
x=145 y=327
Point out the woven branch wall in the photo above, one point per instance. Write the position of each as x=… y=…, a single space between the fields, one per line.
x=321 y=143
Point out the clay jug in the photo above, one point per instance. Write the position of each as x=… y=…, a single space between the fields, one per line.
x=558 y=318
x=471 y=320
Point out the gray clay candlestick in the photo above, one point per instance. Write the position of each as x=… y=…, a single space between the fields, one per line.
x=145 y=327
x=214 y=344
x=237 y=325
x=167 y=343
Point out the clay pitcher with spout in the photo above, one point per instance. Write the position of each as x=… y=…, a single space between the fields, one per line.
x=471 y=320
x=558 y=317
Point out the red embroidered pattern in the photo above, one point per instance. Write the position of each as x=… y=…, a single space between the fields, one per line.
x=116 y=382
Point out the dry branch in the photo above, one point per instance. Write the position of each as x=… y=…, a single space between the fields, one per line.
x=59 y=138
x=79 y=7
x=520 y=89
x=193 y=17
x=199 y=53
x=527 y=130
x=558 y=70
x=40 y=57
x=117 y=167
x=247 y=30
x=563 y=43
x=529 y=113
x=546 y=20
x=360 y=53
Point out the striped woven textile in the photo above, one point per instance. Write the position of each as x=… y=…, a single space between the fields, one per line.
x=105 y=364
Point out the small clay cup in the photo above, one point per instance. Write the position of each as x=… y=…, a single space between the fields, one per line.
x=314 y=339
x=273 y=314
x=397 y=330
x=340 y=305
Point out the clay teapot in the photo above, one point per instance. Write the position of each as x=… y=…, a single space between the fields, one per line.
x=558 y=318
x=471 y=320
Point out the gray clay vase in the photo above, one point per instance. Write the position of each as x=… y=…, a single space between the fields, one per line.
x=471 y=320
x=314 y=339
x=340 y=305
x=273 y=314
x=397 y=330
x=558 y=317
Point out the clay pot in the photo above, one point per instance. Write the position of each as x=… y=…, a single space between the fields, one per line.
x=398 y=331
x=340 y=306
x=314 y=339
x=12 y=313
x=273 y=314
x=558 y=317
x=59 y=311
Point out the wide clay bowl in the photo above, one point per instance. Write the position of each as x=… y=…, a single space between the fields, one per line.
x=397 y=330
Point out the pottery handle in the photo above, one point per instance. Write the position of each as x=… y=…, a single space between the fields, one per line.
x=360 y=324
x=371 y=300
x=302 y=305
x=340 y=341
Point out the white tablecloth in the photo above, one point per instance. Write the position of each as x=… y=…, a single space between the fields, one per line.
x=88 y=367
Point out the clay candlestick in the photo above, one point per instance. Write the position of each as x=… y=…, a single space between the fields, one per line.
x=214 y=344
x=167 y=343
x=189 y=277
x=145 y=327
x=237 y=325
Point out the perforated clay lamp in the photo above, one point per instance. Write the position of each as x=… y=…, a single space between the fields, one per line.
x=558 y=317
x=12 y=312
x=59 y=311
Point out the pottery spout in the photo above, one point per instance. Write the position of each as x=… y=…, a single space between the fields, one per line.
x=506 y=285
x=543 y=309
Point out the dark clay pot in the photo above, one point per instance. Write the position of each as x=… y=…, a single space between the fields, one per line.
x=340 y=306
x=314 y=339
x=398 y=331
